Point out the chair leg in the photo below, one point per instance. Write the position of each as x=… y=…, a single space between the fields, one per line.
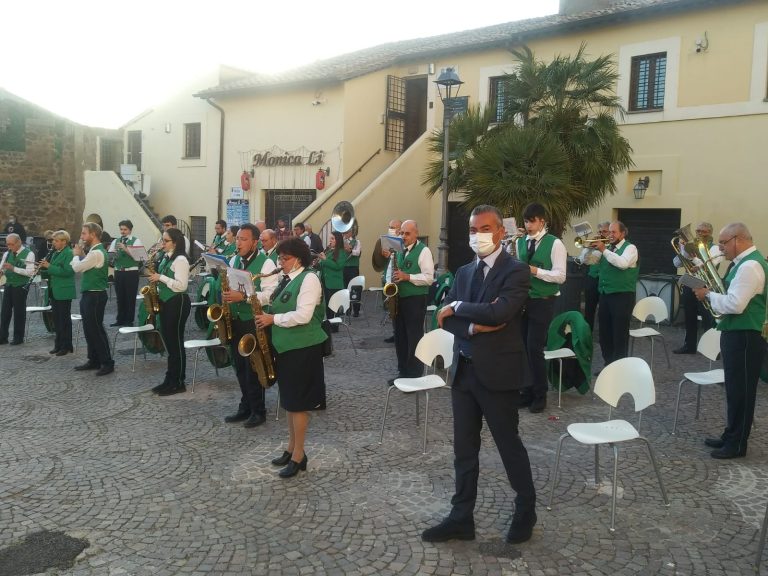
x=384 y=419
x=666 y=351
x=615 y=485
x=417 y=409
x=426 y=419
x=652 y=340
x=560 y=385
x=557 y=467
x=677 y=405
x=77 y=335
x=194 y=370
x=135 y=346
x=652 y=456
x=114 y=345
x=277 y=408
x=349 y=333
x=698 y=401
x=761 y=542
x=597 y=465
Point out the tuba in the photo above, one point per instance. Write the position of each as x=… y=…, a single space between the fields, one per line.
x=221 y=315
x=343 y=217
x=256 y=348
x=693 y=247
x=687 y=252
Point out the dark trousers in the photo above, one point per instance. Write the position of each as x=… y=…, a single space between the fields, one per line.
x=92 y=304
x=14 y=304
x=536 y=319
x=62 y=322
x=409 y=328
x=349 y=273
x=328 y=292
x=126 y=288
x=252 y=394
x=743 y=352
x=591 y=298
x=613 y=319
x=693 y=308
x=471 y=402
x=173 y=319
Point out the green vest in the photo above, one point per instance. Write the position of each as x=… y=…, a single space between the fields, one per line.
x=410 y=265
x=305 y=335
x=218 y=241
x=542 y=258
x=166 y=269
x=229 y=250
x=333 y=270
x=61 y=277
x=612 y=279
x=352 y=261
x=18 y=261
x=258 y=262
x=593 y=270
x=95 y=279
x=243 y=310
x=123 y=260
x=753 y=316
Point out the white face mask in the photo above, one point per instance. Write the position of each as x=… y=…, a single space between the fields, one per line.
x=482 y=243
x=391 y=232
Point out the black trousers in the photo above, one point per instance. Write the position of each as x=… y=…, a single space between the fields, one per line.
x=126 y=288
x=62 y=322
x=743 y=352
x=349 y=273
x=591 y=298
x=693 y=308
x=173 y=319
x=613 y=318
x=409 y=328
x=252 y=394
x=536 y=319
x=92 y=304
x=471 y=402
x=14 y=304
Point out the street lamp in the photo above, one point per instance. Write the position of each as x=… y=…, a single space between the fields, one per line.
x=446 y=83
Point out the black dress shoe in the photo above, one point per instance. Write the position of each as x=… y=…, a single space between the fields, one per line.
x=64 y=352
x=115 y=324
x=239 y=416
x=525 y=400
x=390 y=340
x=538 y=405
x=684 y=350
x=162 y=386
x=714 y=442
x=54 y=351
x=88 y=366
x=16 y=342
x=282 y=460
x=725 y=453
x=106 y=369
x=172 y=389
x=293 y=468
x=255 y=419
x=522 y=525
x=4 y=341
x=449 y=529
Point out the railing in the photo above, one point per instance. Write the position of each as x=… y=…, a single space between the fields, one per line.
x=147 y=209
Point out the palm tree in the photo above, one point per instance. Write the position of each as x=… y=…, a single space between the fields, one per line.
x=559 y=142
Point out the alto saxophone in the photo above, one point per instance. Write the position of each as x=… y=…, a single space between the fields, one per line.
x=221 y=314
x=150 y=293
x=257 y=347
x=391 y=290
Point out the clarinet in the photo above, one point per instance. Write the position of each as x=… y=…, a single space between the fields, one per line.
x=39 y=265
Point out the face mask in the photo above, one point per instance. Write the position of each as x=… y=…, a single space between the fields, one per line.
x=482 y=243
x=391 y=232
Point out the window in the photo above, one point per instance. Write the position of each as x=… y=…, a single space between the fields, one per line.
x=646 y=90
x=498 y=99
x=192 y=140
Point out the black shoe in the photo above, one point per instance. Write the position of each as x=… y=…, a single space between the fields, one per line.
x=356 y=314
x=54 y=351
x=293 y=468
x=162 y=386
x=522 y=525
x=725 y=453
x=115 y=324
x=390 y=340
x=526 y=399
x=64 y=352
x=714 y=442
x=256 y=419
x=538 y=405
x=3 y=341
x=106 y=369
x=449 y=529
x=88 y=366
x=171 y=390
x=16 y=342
x=684 y=350
x=239 y=416
x=282 y=460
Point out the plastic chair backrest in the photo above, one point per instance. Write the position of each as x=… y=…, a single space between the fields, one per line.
x=651 y=306
x=435 y=343
x=627 y=376
x=709 y=345
x=339 y=300
x=356 y=281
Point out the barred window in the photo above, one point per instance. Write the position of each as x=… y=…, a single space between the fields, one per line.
x=646 y=89
x=498 y=98
x=192 y=140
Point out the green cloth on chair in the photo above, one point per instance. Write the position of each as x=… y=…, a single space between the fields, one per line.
x=580 y=341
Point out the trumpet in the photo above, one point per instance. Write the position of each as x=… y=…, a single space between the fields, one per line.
x=509 y=242
x=582 y=241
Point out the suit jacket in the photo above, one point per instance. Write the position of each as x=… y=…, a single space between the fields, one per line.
x=499 y=358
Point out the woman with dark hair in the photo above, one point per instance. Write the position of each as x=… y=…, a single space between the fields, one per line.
x=297 y=337
x=332 y=264
x=172 y=277
x=229 y=248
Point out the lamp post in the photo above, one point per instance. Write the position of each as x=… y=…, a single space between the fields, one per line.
x=446 y=83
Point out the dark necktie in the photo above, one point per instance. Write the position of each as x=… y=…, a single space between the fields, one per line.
x=477 y=281
x=531 y=248
x=281 y=285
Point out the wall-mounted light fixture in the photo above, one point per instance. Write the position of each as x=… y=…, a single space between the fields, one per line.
x=641 y=187
x=702 y=43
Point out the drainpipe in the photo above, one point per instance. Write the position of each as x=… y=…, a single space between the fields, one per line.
x=221 y=158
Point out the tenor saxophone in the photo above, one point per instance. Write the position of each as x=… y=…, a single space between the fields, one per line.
x=221 y=313
x=391 y=290
x=256 y=348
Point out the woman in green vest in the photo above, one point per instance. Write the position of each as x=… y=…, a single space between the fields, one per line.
x=332 y=264
x=172 y=277
x=297 y=337
x=229 y=248
x=61 y=291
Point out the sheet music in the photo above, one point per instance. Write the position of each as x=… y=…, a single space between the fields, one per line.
x=392 y=243
x=692 y=282
x=240 y=281
x=215 y=261
x=200 y=245
x=510 y=224
x=138 y=253
x=112 y=247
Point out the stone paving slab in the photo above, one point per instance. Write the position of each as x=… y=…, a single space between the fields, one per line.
x=164 y=486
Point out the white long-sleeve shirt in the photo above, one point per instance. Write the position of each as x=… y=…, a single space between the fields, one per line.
x=628 y=259
x=310 y=295
x=94 y=259
x=180 y=280
x=748 y=282
x=427 y=267
x=29 y=264
x=714 y=255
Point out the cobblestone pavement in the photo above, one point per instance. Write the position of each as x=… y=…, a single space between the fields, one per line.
x=163 y=486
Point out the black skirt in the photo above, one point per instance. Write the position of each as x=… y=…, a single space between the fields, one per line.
x=301 y=379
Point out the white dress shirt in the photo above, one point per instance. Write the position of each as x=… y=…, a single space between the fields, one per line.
x=628 y=259
x=558 y=255
x=94 y=259
x=714 y=255
x=310 y=295
x=426 y=265
x=180 y=281
x=489 y=260
x=748 y=282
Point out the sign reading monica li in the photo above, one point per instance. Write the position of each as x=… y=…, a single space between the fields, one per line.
x=270 y=159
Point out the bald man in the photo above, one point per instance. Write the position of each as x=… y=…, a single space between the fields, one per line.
x=741 y=343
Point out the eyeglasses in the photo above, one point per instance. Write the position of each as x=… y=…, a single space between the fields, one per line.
x=167 y=240
x=724 y=242
x=284 y=257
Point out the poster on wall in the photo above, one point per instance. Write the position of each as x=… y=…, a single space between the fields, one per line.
x=237 y=212
x=236 y=192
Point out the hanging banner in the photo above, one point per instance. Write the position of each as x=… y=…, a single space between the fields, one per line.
x=237 y=212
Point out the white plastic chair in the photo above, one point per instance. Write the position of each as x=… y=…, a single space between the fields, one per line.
x=33 y=310
x=761 y=542
x=76 y=320
x=339 y=303
x=197 y=346
x=359 y=281
x=709 y=347
x=433 y=344
x=560 y=354
x=625 y=376
x=643 y=310
x=135 y=330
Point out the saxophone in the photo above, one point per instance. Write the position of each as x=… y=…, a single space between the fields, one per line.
x=150 y=293
x=221 y=314
x=257 y=347
x=391 y=290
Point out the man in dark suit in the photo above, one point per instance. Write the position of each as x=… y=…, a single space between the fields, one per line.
x=484 y=314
